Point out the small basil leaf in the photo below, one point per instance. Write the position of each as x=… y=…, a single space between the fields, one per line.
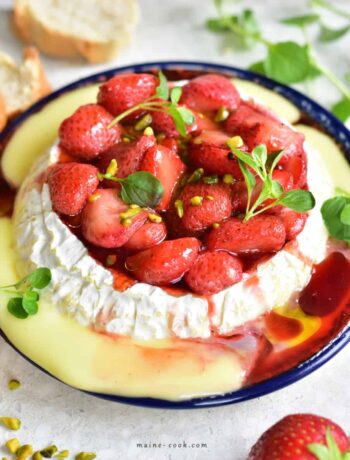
x=345 y=215
x=329 y=35
x=217 y=25
x=248 y=22
x=249 y=160
x=175 y=94
x=30 y=306
x=259 y=154
x=16 y=309
x=342 y=109
x=186 y=115
x=40 y=278
x=298 y=200
x=301 y=21
x=258 y=67
x=276 y=189
x=331 y=212
x=265 y=193
x=248 y=177
x=287 y=62
x=273 y=159
x=142 y=188
x=178 y=120
x=162 y=89
x=31 y=296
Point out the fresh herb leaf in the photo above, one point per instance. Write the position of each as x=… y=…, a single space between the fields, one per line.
x=345 y=215
x=301 y=21
x=259 y=154
x=330 y=35
x=16 y=309
x=162 y=89
x=186 y=115
x=298 y=200
x=331 y=212
x=141 y=188
x=249 y=23
x=217 y=25
x=245 y=157
x=342 y=109
x=178 y=120
x=276 y=189
x=250 y=182
x=40 y=278
x=273 y=159
x=30 y=306
x=175 y=94
x=287 y=62
x=258 y=67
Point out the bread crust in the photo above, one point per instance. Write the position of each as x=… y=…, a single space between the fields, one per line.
x=62 y=45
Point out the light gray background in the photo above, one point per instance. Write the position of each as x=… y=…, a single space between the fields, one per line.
x=52 y=412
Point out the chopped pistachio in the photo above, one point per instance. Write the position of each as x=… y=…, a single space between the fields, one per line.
x=85 y=456
x=49 y=451
x=134 y=206
x=126 y=139
x=222 y=114
x=160 y=137
x=154 y=218
x=37 y=456
x=14 y=384
x=126 y=222
x=13 y=445
x=197 y=141
x=196 y=200
x=214 y=179
x=24 y=452
x=111 y=260
x=130 y=212
x=210 y=197
x=62 y=454
x=143 y=122
x=179 y=208
x=216 y=225
x=112 y=167
x=236 y=141
x=148 y=131
x=94 y=197
x=228 y=179
x=184 y=180
x=11 y=423
x=195 y=176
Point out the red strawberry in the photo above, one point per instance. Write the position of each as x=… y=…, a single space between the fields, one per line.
x=262 y=233
x=170 y=143
x=163 y=123
x=70 y=185
x=102 y=224
x=213 y=271
x=147 y=236
x=85 y=134
x=165 y=263
x=166 y=166
x=210 y=152
x=293 y=221
x=240 y=194
x=257 y=127
x=176 y=228
x=297 y=166
x=129 y=156
x=210 y=92
x=290 y=438
x=215 y=205
x=125 y=91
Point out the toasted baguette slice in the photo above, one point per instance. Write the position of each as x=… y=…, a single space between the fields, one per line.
x=21 y=85
x=94 y=29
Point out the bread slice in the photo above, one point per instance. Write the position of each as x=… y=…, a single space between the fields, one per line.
x=94 y=29
x=21 y=85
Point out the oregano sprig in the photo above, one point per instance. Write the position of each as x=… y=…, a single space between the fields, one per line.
x=25 y=293
x=263 y=166
x=166 y=101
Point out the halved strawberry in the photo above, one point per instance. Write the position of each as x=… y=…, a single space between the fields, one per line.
x=297 y=166
x=209 y=151
x=170 y=143
x=125 y=91
x=293 y=221
x=163 y=123
x=258 y=127
x=166 y=166
x=150 y=234
x=213 y=271
x=70 y=185
x=210 y=92
x=85 y=134
x=165 y=263
x=261 y=234
x=129 y=156
x=102 y=224
x=204 y=205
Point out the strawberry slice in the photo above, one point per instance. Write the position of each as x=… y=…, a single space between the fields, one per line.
x=258 y=127
x=85 y=134
x=261 y=234
x=297 y=166
x=129 y=156
x=209 y=151
x=293 y=221
x=125 y=91
x=210 y=92
x=290 y=438
x=150 y=234
x=165 y=263
x=213 y=205
x=102 y=224
x=70 y=186
x=166 y=166
x=170 y=143
x=213 y=271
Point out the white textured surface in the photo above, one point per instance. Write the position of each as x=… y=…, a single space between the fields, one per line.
x=53 y=412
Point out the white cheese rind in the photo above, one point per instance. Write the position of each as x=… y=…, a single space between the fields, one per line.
x=84 y=290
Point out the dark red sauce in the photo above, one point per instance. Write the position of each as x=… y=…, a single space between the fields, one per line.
x=281 y=327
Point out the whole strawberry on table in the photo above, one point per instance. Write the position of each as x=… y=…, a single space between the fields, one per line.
x=186 y=184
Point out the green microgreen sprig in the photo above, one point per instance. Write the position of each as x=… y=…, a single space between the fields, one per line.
x=166 y=101
x=25 y=292
x=263 y=166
